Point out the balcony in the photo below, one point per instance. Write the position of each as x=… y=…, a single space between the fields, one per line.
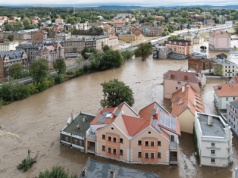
x=91 y=147
x=91 y=136
x=173 y=146
x=173 y=158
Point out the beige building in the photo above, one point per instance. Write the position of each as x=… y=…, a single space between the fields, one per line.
x=174 y=80
x=219 y=41
x=113 y=40
x=183 y=47
x=185 y=102
x=149 y=137
x=8 y=46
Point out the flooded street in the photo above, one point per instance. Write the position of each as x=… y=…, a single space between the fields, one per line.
x=34 y=123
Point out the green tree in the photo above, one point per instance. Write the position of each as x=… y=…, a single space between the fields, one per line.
x=26 y=21
x=56 y=172
x=115 y=92
x=16 y=70
x=10 y=37
x=144 y=50
x=60 y=66
x=39 y=70
x=127 y=54
x=110 y=59
x=105 y=48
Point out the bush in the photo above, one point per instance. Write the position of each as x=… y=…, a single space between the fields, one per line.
x=25 y=164
x=79 y=72
x=56 y=172
x=59 y=79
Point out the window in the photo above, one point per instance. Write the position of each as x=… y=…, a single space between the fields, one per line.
x=103 y=148
x=234 y=98
x=146 y=155
x=139 y=142
x=159 y=154
x=103 y=137
x=152 y=144
x=152 y=156
x=121 y=140
x=213 y=160
x=212 y=144
x=114 y=151
x=159 y=143
x=176 y=88
x=226 y=98
x=109 y=150
x=213 y=152
x=114 y=139
x=139 y=154
x=121 y=152
x=146 y=143
x=109 y=139
x=179 y=82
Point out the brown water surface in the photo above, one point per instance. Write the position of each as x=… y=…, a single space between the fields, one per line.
x=35 y=123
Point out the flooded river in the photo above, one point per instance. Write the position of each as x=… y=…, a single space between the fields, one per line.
x=34 y=123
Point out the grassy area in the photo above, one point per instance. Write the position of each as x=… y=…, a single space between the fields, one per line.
x=231 y=31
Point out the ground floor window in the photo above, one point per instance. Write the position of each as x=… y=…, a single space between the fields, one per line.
x=213 y=160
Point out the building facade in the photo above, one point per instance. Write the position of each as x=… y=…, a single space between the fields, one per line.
x=185 y=102
x=224 y=94
x=214 y=140
x=161 y=52
x=232 y=116
x=8 y=46
x=30 y=49
x=174 y=80
x=10 y=57
x=200 y=64
x=219 y=41
x=224 y=67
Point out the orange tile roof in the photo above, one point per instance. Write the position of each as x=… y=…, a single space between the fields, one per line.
x=181 y=76
x=135 y=125
x=187 y=99
x=226 y=90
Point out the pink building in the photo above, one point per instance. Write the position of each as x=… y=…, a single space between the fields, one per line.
x=219 y=41
x=174 y=80
x=147 y=137
x=59 y=21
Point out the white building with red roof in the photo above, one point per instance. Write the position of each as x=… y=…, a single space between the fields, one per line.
x=147 y=137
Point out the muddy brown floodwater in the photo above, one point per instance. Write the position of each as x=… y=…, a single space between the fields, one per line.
x=34 y=123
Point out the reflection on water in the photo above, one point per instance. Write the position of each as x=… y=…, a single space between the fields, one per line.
x=38 y=119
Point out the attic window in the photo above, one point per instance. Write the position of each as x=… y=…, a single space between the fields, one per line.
x=149 y=132
x=112 y=128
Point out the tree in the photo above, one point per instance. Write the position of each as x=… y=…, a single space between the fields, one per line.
x=110 y=59
x=60 y=66
x=10 y=37
x=115 y=92
x=16 y=70
x=56 y=172
x=144 y=50
x=39 y=70
x=127 y=54
x=105 y=48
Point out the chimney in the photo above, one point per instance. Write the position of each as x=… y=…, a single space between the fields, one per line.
x=183 y=89
x=171 y=76
x=209 y=120
x=185 y=77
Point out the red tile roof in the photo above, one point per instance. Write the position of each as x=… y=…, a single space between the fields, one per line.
x=181 y=76
x=186 y=98
x=108 y=120
x=226 y=90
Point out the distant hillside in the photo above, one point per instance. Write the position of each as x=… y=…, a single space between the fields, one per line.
x=118 y=7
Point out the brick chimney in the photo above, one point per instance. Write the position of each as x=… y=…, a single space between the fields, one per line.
x=185 y=77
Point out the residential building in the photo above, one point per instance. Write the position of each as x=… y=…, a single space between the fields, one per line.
x=98 y=169
x=197 y=40
x=82 y=26
x=74 y=45
x=232 y=116
x=200 y=63
x=180 y=48
x=59 y=21
x=175 y=79
x=219 y=41
x=51 y=53
x=189 y=37
x=149 y=137
x=152 y=31
x=224 y=67
x=112 y=40
x=161 y=52
x=8 y=46
x=185 y=102
x=127 y=37
x=214 y=140
x=39 y=36
x=101 y=41
x=30 y=49
x=10 y=57
x=224 y=94
x=74 y=133
x=63 y=36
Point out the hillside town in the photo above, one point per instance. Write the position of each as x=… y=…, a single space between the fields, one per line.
x=195 y=47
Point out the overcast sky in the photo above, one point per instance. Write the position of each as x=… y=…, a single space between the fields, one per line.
x=124 y=2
